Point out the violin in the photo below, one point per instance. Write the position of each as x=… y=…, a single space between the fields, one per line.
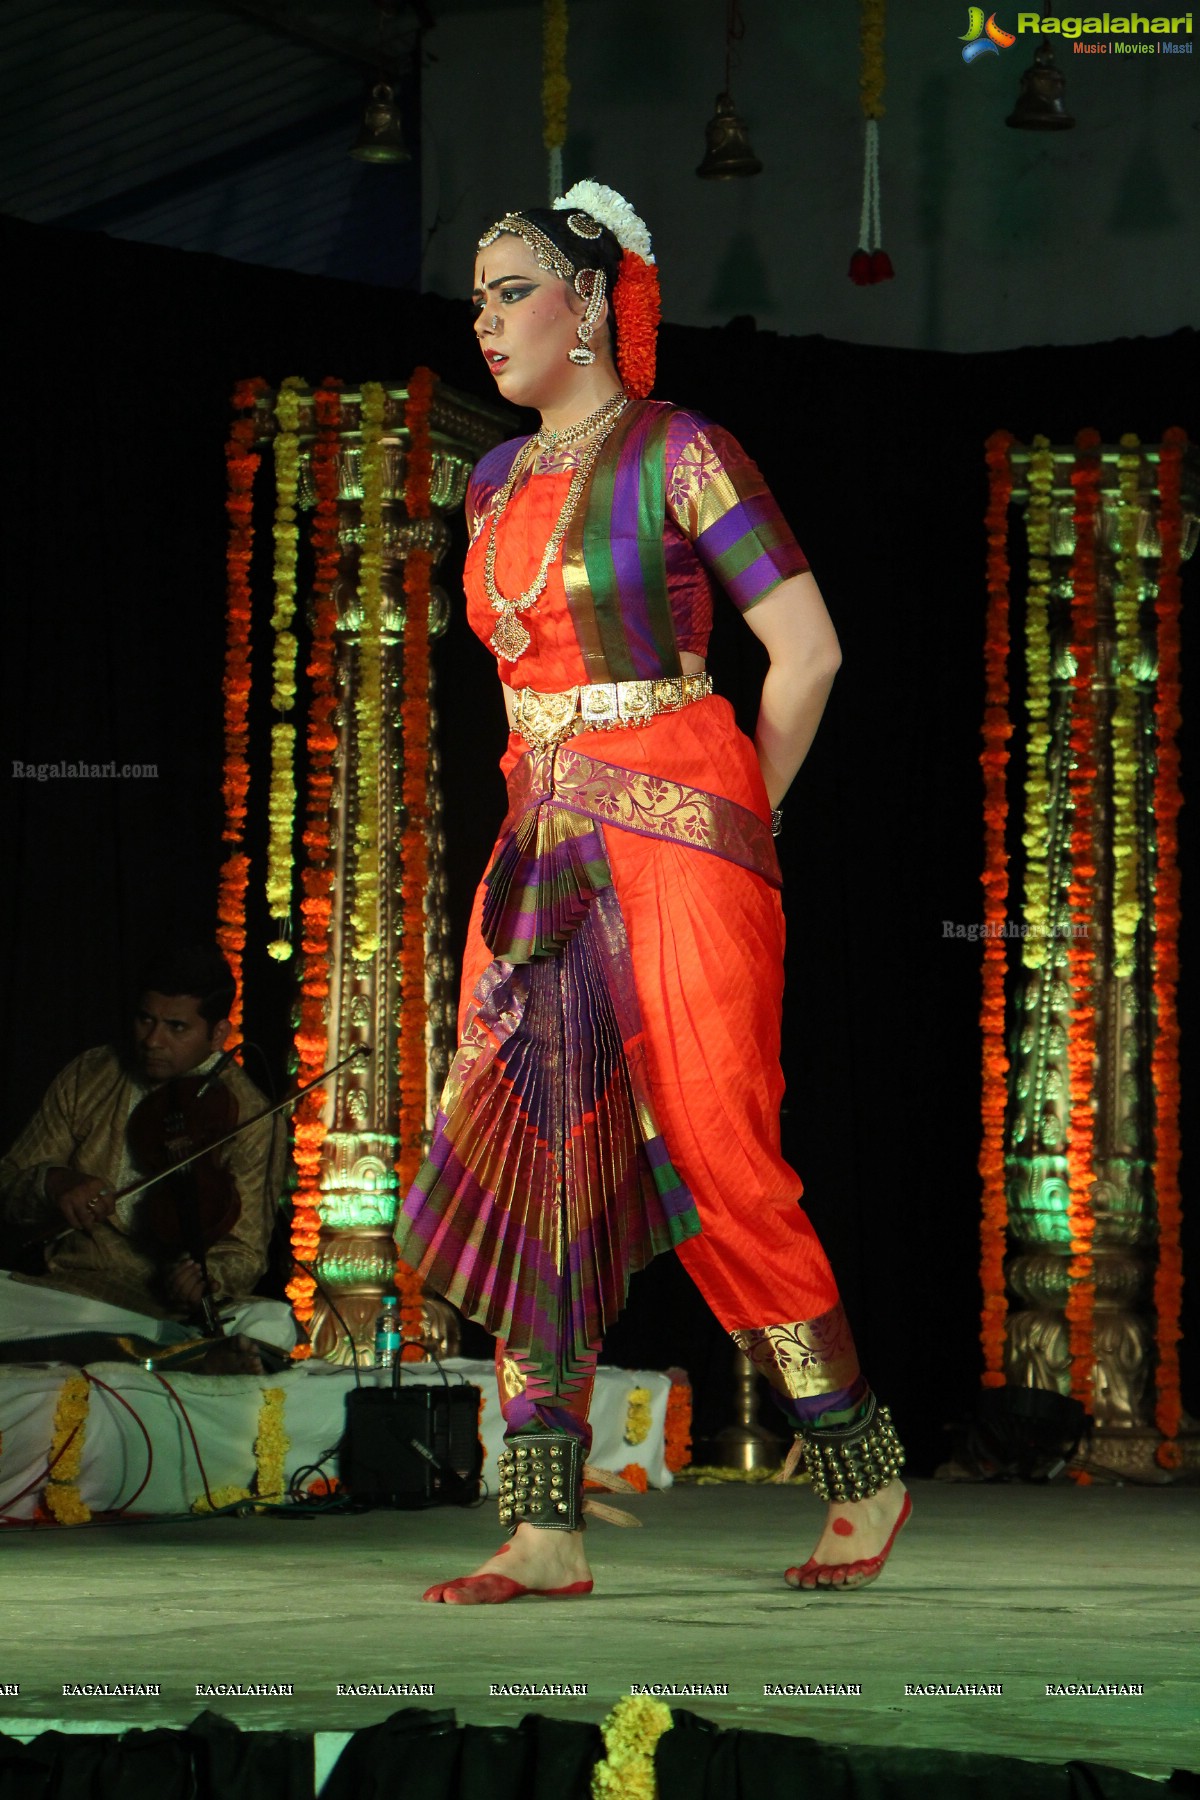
x=201 y=1111
x=194 y=1201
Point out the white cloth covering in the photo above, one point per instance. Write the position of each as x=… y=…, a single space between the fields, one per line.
x=224 y=1413
x=29 y=1311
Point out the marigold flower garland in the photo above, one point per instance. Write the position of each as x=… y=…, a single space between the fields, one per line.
x=281 y=801
x=414 y=849
x=637 y=304
x=871 y=263
x=677 y=1447
x=556 y=88
x=1082 y=947
x=637 y=1415
x=271 y=1445
x=368 y=688
x=241 y=460
x=1164 y=1061
x=1035 y=948
x=316 y=880
x=631 y=1733
x=1127 y=596
x=62 y=1494
x=997 y=729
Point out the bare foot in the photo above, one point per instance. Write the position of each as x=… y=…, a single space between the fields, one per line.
x=856 y=1541
x=532 y=1562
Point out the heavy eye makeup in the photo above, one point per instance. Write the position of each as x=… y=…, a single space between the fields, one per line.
x=506 y=296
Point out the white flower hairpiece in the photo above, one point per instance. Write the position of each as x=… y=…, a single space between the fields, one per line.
x=611 y=209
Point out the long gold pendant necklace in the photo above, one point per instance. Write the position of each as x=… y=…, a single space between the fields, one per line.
x=510 y=637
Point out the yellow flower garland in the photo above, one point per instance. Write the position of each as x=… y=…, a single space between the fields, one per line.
x=281 y=802
x=1035 y=948
x=271 y=1446
x=871 y=65
x=1127 y=595
x=631 y=1731
x=368 y=697
x=66 y=1453
x=637 y=1416
x=556 y=89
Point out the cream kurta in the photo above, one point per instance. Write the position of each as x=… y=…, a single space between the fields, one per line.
x=80 y=1124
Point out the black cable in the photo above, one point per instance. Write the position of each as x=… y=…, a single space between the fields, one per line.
x=311 y=1272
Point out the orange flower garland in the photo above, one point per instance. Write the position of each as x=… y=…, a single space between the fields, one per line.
x=997 y=729
x=316 y=881
x=1164 y=1062
x=677 y=1451
x=637 y=304
x=241 y=461
x=1081 y=1045
x=414 y=855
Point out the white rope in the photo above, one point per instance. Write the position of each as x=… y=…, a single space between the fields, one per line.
x=864 y=220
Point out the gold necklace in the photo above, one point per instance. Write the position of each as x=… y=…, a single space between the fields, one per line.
x=510 y=638
x=571 y=434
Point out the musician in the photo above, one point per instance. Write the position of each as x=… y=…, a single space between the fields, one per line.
x=62 y=1179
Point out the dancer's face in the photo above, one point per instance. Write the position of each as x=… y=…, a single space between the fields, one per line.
x=525 y=325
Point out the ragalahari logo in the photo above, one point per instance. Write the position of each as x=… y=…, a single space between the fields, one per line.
x=984 y=38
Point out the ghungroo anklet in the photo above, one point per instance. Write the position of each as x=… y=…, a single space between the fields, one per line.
x=853 y=1462
x=541 y=1481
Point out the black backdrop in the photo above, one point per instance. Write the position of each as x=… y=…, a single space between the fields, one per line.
x=115 y=410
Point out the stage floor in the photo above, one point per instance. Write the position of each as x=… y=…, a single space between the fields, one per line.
x=1020 y=1586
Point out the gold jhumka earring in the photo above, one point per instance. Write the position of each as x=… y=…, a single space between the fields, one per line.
x=589 y=285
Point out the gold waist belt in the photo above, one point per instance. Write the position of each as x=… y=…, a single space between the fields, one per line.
x=545 y=719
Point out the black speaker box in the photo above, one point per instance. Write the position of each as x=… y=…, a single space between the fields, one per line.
x=412 y=1446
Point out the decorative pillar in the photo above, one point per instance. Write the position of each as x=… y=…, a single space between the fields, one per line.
x=1107 y=1235
x=357 y=1185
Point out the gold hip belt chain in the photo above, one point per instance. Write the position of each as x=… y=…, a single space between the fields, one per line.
x=545 y=719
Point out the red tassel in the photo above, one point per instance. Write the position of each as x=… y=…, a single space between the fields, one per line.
x=881 y=266
x=860 y=269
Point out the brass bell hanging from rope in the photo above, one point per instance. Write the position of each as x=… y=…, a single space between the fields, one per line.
x=728 y=154
x=1040 y=105
x=380 y=136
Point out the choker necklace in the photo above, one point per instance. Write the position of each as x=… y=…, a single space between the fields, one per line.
x=571 y=434
x=510 y=637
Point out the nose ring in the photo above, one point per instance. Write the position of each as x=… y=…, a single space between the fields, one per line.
x=494 y=322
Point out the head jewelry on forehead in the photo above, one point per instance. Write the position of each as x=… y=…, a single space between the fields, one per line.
x=545 y=253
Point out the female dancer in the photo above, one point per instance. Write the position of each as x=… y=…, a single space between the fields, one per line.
x=617 y=1087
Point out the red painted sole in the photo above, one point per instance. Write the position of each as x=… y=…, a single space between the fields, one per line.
x=495 y=1590
x=854 y=1575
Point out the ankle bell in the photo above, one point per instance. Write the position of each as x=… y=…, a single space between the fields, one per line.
x=853 y=1462
x=541 y=1481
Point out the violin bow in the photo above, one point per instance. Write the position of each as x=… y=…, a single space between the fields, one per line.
x=149 y=1181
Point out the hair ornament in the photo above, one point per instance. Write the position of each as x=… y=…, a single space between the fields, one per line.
x=545 y=253
x=583 y=225
x=607 y=207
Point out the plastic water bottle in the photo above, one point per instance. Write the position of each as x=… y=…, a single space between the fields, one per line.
x=387 y=1332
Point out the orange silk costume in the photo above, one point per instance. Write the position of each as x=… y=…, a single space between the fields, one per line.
x=705 y=934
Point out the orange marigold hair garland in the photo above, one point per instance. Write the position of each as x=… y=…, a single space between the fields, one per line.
x=637 y=304
x=1082 y=945
x=1164 y=1063
x=997 y=729
x=316 y=880
x=241 y=461
x=414 y=858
